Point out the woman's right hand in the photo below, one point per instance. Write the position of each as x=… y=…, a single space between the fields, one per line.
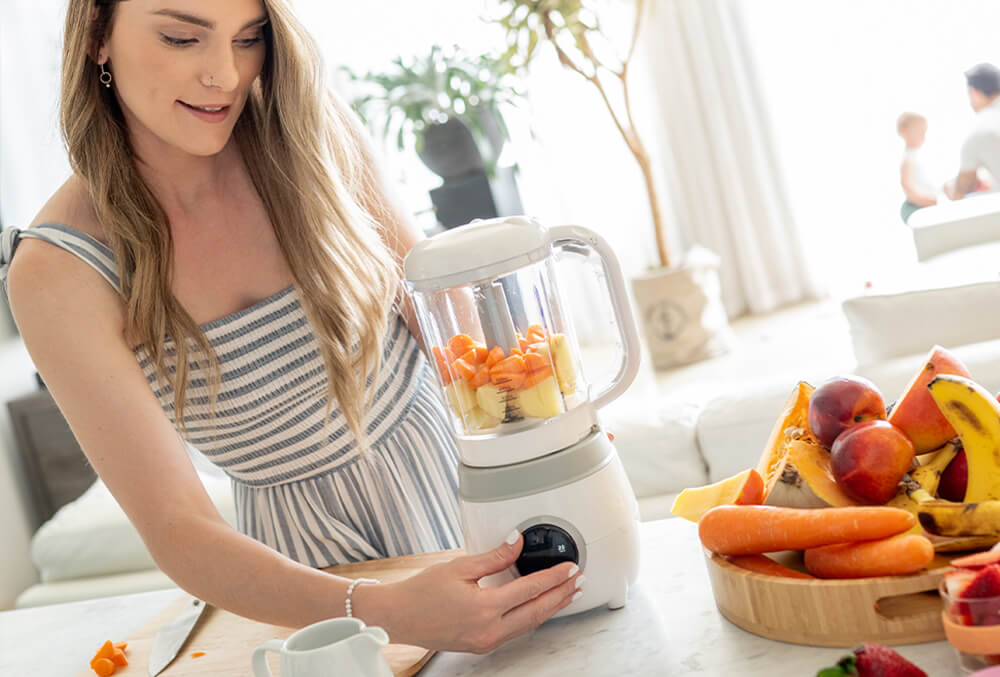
x=444 y=608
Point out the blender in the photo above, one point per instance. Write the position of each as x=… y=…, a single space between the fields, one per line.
x=533 y=454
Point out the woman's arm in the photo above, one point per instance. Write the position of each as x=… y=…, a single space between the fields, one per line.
x=73 y=324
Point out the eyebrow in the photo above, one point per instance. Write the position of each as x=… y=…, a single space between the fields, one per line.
x=204 y=23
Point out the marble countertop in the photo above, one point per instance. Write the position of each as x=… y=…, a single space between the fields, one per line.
x=670 y=626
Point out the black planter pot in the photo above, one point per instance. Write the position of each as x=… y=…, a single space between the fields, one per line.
x=449 y=150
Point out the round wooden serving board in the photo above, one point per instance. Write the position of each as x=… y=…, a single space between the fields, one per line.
x=832 y=613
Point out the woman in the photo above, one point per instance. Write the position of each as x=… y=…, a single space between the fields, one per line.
x=224 y=263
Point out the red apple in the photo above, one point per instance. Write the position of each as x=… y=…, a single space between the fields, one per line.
x=916 y=413
x=843 y=402
x=955 y=478
x=869 y=459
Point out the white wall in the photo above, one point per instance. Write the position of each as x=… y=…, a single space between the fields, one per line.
x=836 y=76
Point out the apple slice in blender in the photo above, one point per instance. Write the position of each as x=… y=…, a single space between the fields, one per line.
x=562 y=361
x=542 y=400
x=493 y=400
x=461 y=397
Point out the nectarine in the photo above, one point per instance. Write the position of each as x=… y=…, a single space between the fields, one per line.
x=843 y=402
x=869 y=459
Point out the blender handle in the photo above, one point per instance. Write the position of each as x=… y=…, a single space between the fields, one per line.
x=559 y=235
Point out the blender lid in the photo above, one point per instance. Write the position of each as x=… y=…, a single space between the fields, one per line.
x=477 y=251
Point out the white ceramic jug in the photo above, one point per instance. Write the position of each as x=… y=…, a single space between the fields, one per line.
x=330 y=648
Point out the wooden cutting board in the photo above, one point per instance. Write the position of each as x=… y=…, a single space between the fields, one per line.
x=228 y=640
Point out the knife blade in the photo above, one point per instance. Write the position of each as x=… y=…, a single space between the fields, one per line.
x=171 y=637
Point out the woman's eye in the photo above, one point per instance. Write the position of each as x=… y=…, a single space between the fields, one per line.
x=177 y=42
x=249 y=42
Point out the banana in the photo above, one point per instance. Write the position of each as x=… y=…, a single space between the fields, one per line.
x=929 y=474
x=910 y=496
x=946 y=518
x=974 y=413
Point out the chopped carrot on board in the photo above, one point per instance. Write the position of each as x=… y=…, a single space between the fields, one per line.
x=103 y=667
x=197 y=654
x=118 y=658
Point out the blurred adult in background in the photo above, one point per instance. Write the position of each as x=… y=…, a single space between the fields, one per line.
x=981 y=149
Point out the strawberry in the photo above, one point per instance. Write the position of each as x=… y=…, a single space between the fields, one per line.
x=873 y=660
x=985 y=588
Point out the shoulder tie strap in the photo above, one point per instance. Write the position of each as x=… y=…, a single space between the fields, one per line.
x=9 y=238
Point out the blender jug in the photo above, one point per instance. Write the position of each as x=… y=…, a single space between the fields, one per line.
x=487 y=299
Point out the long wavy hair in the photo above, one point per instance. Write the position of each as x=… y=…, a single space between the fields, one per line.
x=307 y=161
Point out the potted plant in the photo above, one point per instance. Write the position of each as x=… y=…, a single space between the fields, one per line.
x=679 y=303
x=447 y=104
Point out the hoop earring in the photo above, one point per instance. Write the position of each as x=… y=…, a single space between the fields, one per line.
x=105 y=76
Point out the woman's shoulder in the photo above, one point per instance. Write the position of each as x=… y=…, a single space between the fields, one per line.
x=71 y=205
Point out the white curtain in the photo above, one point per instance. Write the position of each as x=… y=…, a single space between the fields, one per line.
x=716 y=153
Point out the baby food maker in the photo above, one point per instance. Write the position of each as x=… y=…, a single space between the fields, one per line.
x=533 y=455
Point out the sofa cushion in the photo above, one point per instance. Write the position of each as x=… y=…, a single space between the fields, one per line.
x=953 y=225
x=733 y=428
x=947 y=301
x=91 y=536
x=892 y=376
x=656 y=444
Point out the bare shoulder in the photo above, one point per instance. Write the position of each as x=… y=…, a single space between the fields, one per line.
x=71 y=206
x=44 y=280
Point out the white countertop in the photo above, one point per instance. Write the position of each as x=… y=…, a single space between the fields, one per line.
x=670 y=626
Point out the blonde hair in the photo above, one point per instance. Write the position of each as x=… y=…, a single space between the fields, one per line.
x=314 y=176
x=907 y=119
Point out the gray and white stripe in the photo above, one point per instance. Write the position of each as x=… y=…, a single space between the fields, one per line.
x=304 y=490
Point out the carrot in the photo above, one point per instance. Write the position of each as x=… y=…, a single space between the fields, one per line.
x=534 y=362
x=103 y=667
x=461 y=344
x=508 y=373
x=197 y=654
x=762 y=564
x=108 y=658
x=442 y=365
x=755 y=529
x=536 y=333
x=482 y=377
x=533 y=378
x=494 y=356
x=107 y=650
x=464 y=369
x=118 y=658
x=895 y=556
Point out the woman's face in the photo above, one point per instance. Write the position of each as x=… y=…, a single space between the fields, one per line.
x=182 y=69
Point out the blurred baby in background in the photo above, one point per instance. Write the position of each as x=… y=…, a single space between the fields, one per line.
x=917 y=185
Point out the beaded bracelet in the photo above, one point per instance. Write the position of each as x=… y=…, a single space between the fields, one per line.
x=350 y=591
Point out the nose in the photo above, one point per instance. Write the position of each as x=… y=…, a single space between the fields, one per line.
x=222 y=71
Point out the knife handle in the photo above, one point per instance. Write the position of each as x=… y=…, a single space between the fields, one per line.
x=259 y=660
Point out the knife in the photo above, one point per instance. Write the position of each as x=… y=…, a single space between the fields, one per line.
x=170 y=639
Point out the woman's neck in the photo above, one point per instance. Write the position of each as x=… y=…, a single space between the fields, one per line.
x=185 y=183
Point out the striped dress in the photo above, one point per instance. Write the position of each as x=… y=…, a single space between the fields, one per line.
x=311 y=497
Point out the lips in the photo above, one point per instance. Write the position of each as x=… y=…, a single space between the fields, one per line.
x=207 y=112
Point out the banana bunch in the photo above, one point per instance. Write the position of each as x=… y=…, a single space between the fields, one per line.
x=975 y=414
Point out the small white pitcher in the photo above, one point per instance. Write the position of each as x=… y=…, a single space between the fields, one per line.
x=330 y=648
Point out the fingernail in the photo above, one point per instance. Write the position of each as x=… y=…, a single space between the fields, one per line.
x=512 y=538
x=572 y=571
x=579 y=582
x=576 y=595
